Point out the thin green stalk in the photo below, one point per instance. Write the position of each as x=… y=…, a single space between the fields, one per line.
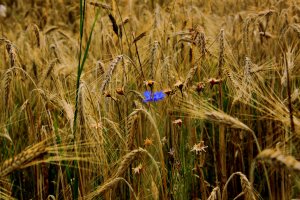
x=80 y=69
x=75 y=174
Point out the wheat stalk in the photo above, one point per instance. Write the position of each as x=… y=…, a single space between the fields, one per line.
x=190 y=76
x=107 y=186
x=126 y=161
x=246 y=36
x=22 y=159
x=11 y=52
x=99 y=68
x=101 y=5
x=110 y=72
x=221 y=54
x=276 y=156
x=68 y=109
x=7 y=82
x=131 y=125
x=36 y=32
x=48 y=71
x=81 y=109
x=246 y=94
x=215 y=194
x=247 y=188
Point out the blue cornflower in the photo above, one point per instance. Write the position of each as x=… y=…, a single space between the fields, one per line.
x=156 y=96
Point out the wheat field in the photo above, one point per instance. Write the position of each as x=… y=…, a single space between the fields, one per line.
x=150 y=99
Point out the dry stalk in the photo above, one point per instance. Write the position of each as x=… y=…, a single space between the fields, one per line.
x=289 y=67
x=152 y=60
x=294 y=96
x=199 y=39
x=222 y=136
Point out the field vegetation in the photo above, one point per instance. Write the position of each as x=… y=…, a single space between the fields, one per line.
x=150 y=99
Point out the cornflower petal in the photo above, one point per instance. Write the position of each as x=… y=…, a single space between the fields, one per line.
x=156 y=96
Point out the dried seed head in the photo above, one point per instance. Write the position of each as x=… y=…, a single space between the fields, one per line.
x=177 y=122
x=214 y=81
x=115 y=26
x=126 y=20
x=149 y=83
x=179 y=85
x=120 y=91
x=200 y=87
x=140 y=36
x=107 y=94
x=168 y=91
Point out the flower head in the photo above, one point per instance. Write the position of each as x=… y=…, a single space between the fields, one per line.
x=148 y=142
x=138 y=169
x=198 y=148
x=156 y=96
